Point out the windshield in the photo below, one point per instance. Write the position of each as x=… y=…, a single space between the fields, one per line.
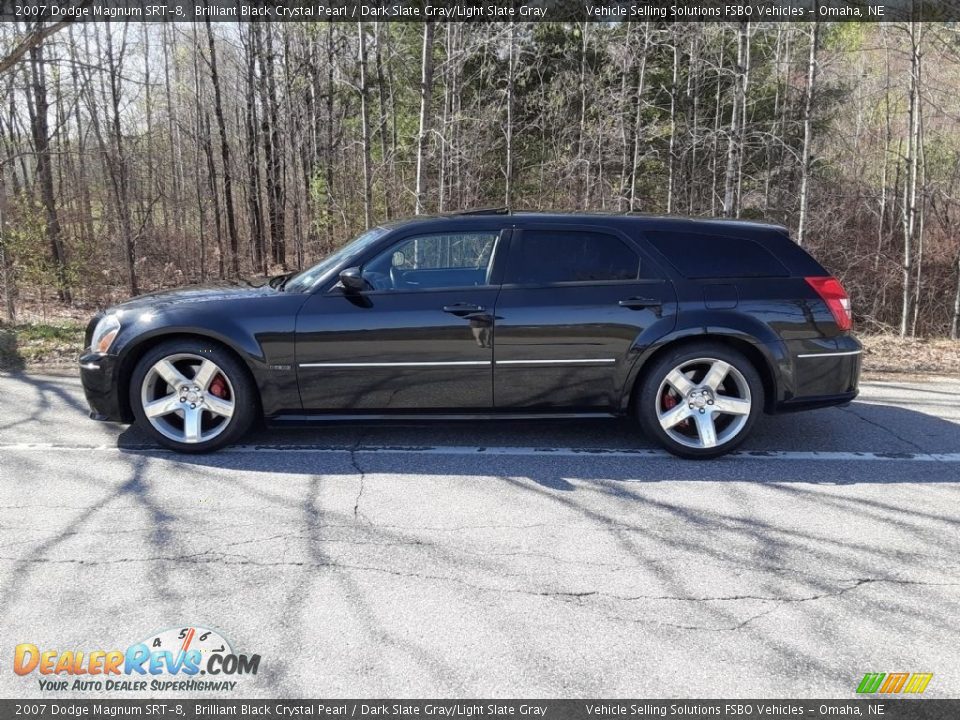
x=309 y=277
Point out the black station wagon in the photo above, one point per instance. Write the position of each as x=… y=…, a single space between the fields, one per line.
x=694 y=327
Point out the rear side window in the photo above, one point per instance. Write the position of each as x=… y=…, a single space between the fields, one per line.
x=698 y=255
x=542 y=257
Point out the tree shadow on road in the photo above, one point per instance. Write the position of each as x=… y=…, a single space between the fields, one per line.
x=881 y=444
x=775 y=553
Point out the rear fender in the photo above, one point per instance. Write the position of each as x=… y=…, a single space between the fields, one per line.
x=735 y=328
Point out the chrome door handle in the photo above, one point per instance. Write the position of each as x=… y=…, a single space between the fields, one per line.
x=638 y=303
x=461 y=309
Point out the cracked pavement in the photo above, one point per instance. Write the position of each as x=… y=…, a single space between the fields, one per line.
x=401 y=573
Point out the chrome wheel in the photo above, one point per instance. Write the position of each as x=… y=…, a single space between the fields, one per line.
x=703 y=403
x=187 y=398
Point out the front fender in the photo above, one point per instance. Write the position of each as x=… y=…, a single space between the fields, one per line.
x=260 y=333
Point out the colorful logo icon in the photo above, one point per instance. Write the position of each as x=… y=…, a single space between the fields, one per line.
x=892 y=683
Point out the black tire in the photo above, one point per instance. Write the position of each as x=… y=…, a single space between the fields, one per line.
x=232 y=380
x=655 y=396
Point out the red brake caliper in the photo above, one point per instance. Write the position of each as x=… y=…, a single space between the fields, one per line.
x=218 y=387
x=670 y=402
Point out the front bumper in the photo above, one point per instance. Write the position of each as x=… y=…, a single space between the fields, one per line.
x=98 y=374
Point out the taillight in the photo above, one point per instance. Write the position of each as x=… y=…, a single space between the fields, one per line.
x=832 y=293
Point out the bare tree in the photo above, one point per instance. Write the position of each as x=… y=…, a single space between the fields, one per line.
x=35 y=36
x=735 y=139
x=365 y=127
x=41 y=142
x=638 y=117
x=426 y=101
x=224 y=157
x=258 y=251
x=807 y=129
x=508 y=130
x=270 y=132
x=910 y=187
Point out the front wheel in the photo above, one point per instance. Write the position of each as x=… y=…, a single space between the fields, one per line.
x=700 y=401
x=192 y=396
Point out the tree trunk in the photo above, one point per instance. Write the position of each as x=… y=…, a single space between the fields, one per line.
x=582 y=131
x=365 y=129
x=44 y=169
x=224 y=158
x=638 y=116
x=741 y=142
x=271 y=143
x=328 y=160
x=624 y=115
x=715 y=154
x=7 y=277
x=918 y=284
x=693 y=96
x=426 y=96
x=733 y=143
x=887 y=140
x=673 y=125
x=254 y=201
x=385 y=157
x=910 y=186
x=955 y=321
x=511 y=70
x=214 y=193
x=117 y=160
x=807 y=129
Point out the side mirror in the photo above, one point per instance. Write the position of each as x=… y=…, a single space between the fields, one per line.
x=278 y=280
x=353 y=281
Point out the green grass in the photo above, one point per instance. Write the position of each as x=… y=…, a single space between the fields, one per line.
x=39 y=343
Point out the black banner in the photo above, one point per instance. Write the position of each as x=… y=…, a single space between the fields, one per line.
x=164 y=709
x=479 y=10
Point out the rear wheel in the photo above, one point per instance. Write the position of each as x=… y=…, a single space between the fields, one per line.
x=192 y=396
x=700 y=401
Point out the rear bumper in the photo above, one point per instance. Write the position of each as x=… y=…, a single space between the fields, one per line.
x=824 y=375
x=812 y=403
x=98 y=375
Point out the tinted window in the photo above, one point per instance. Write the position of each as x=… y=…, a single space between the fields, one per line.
x=698 y=255
x=540 y=257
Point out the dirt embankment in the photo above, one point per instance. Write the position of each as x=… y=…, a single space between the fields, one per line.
x=888 y=354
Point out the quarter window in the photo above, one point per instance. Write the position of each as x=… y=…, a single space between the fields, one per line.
x=543 y=257
x=698 y=255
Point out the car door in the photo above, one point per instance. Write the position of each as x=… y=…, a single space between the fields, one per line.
x=420 y=338
x=572 y=303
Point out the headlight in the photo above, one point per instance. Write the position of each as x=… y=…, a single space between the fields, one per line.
x=104 y=334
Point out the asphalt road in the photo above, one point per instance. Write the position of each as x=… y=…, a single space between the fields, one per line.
x=563 y=559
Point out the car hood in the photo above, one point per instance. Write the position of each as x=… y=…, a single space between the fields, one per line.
x=193 y=294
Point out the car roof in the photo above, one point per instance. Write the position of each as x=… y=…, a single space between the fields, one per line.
x=622 y=220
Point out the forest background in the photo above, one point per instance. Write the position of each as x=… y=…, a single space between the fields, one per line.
x=137 y=156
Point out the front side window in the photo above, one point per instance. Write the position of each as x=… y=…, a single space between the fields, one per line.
x=441 y=260
x=543 y=257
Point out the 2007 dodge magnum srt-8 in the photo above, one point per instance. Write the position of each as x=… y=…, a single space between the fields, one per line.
x=694 y=327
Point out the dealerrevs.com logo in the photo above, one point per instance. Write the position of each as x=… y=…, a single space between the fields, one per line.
x=173 y=659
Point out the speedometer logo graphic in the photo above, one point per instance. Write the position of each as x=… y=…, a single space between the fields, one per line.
x=184 y=639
